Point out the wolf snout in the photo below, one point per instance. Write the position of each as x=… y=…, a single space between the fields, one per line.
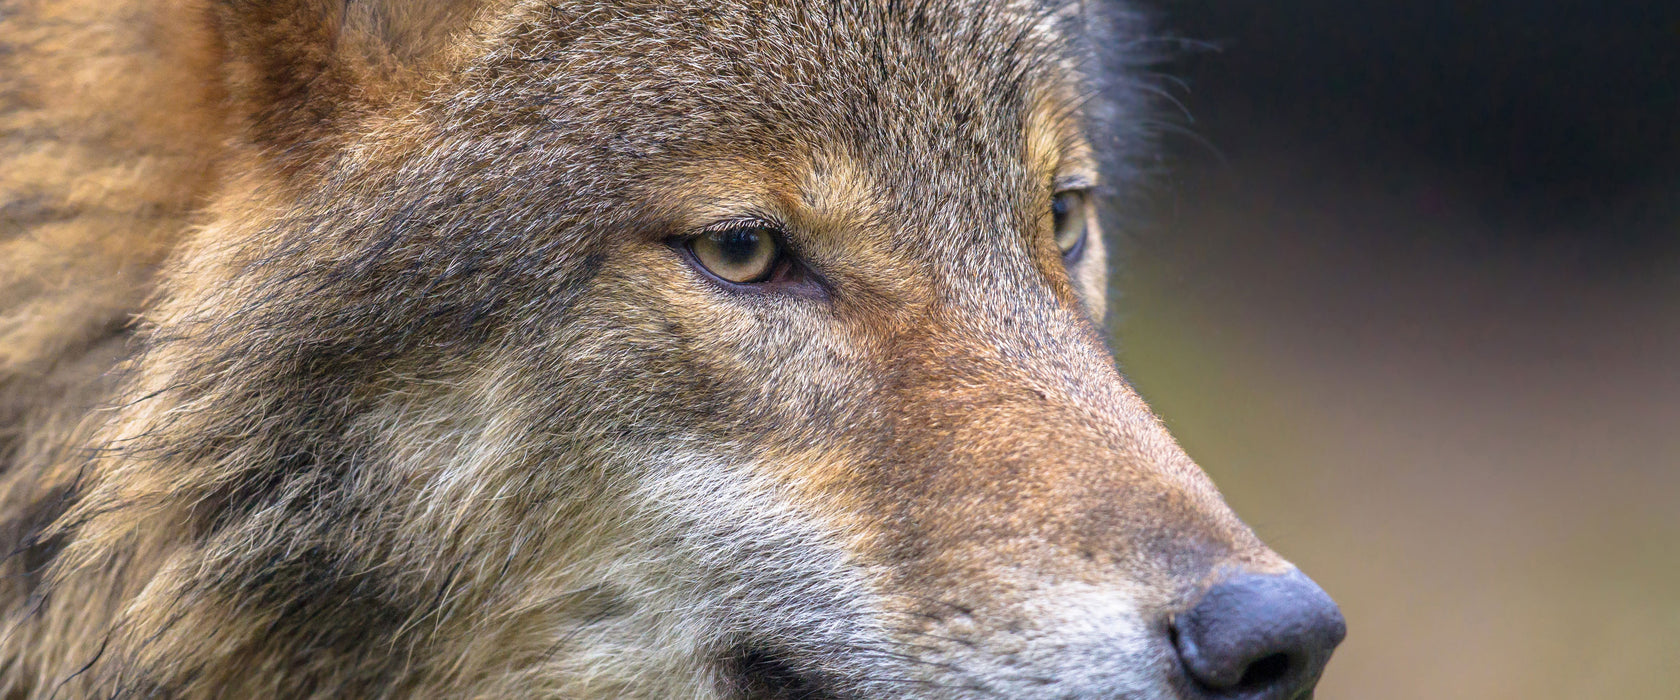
x=1259 y=637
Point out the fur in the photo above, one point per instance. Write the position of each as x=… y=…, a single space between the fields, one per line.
x=345 y=351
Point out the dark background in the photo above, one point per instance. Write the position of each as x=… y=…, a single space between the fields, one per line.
x=1545 y=116
x=1407 y=284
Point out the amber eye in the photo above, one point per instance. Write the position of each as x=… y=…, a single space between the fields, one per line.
x=744 y=254
x=1070 y=214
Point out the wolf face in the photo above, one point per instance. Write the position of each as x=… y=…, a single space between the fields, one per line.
x=654 y=350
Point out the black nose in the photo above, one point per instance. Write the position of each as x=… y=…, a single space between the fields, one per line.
x=1260 y=637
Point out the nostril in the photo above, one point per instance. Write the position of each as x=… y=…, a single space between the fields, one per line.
x=1259 y=637
x=1264 y=673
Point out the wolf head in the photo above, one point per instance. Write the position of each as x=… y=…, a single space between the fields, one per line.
x=666 y=350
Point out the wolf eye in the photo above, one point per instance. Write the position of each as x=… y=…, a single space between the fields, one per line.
x=1070 y=211
x=743 y=254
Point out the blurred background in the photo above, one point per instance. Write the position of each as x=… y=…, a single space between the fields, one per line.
x=1407 y=285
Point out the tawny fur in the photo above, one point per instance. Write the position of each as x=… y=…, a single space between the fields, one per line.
x=343 y=353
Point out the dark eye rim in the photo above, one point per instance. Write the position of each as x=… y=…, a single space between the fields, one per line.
x=785 y=273
x=1074 y=254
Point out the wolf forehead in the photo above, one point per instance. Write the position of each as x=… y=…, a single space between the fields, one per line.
x=845 y=64
x=943 y=86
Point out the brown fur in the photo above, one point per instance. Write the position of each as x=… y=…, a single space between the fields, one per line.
x=423 y=402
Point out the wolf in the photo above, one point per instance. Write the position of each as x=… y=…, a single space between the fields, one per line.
x=714 y=349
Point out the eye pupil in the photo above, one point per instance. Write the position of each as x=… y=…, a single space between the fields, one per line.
x=738 y=246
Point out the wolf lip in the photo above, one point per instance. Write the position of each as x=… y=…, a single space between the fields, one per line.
x=764 y=674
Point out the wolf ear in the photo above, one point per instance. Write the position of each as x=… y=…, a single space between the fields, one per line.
x=298 y=69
